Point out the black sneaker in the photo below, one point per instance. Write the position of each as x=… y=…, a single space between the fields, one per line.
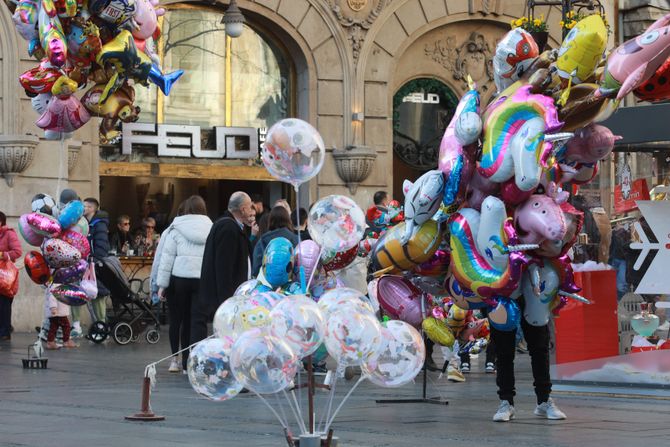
x=319 y=370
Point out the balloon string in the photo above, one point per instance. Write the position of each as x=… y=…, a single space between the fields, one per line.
x=294 y=409
x=340 y=369
x=281 y=410
x=283 y=424
x=337 y=410
x=311 y=276
x=303 y=286
x=60 y=166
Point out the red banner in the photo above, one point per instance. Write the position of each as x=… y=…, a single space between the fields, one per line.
x=626 y=195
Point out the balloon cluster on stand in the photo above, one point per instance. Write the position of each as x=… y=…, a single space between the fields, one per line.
x=107 y=43
x=61 y=264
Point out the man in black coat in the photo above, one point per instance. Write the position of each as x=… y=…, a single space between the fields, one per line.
x=225 y=263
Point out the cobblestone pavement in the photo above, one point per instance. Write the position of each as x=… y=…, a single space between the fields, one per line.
x=81 y=399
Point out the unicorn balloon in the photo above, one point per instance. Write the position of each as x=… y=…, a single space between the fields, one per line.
x=422 y=200
x=540 y=288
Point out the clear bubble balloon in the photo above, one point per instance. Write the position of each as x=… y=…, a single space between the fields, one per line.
x=247 y=287
x=401 y=357
x=298 y=321
x=336 y=223
x=209 y=370
x=335 y=299
x=293 y=151
x=353 y=338
x=263 y=363
x=240 y=313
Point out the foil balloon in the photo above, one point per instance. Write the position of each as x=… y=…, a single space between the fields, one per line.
x=43 y=224
x=240 y=313
x=293 y=151
x=656 y=88
x=505 y=316
x=540 y=288
x=209 y=371
x=437 y=265
x=277 y=267
x=479 y=189
x=25 y=19
x=512 y=195
x=116 y=12
x=430 y=285
x=584 y=106
x=464 y=297
x=339 y=260
x=306 y=256
x=582 y=49
x=514 y=138
x=372 y=294
x=422 y=200
x=480 y=260
x=298 y=321
x=72 y=274
x=400 y=359
x=456 y=319
x=145 y=20
x=36 y=267
x=400 y=299
x=589 y=145
x=29 y=235
x=336 y=223
x=263 y=363
x=514 y=55
x=69 y=294
x=59 y=253
x=40 y=79
x=81 y=227
x=474 y=329
x=119 y=106
x=71 y=214
x=353 y=338
x=438 y=332
x=637 y=60
x=336 y=299
x=65 y=113
x=574 y=220
x=52 y=38
x=391 y=256
x=539 y=218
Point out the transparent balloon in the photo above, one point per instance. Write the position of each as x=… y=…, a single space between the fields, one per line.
x=336 y=223
x=209 y=370
x=353 y=338
x=240 y=313
x=335 y=299
x=293 y=151
x=263 y=363
x=298 y=321
x=247 y=287
x=401 y=357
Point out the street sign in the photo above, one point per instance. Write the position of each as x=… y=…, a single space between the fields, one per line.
x=656 y=213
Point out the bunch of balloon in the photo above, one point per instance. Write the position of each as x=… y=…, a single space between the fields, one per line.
x=109 y=44
x=61 y=263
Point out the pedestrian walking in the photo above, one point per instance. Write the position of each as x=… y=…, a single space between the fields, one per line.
x=10 y=251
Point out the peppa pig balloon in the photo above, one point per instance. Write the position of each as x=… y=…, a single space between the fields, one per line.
x=589 y=145
x=538 y=219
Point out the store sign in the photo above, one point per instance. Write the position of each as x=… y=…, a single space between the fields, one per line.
x=656 y=213
x=627 y=193
x=173 y=140
x=422 y=98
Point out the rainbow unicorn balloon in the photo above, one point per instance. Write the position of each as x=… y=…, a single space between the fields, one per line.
x=515 y=144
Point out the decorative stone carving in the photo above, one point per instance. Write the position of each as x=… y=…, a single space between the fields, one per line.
x=16 y=154
x=354 y=164
x=485 y=7
x=357 y=16
x=73 y=149
x=473 y=57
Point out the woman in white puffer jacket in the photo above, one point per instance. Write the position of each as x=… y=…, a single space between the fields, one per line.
x=182 y=246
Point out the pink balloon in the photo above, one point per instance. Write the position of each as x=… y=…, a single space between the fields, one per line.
x=437 y=265
x=512 y=195
x=590 y=144
x=539 y=218
x=59 y=253
x=70 y=295
x=400 y=299
x=43 y=224
x=31 y=237
x=307 y=255
x=78 y=241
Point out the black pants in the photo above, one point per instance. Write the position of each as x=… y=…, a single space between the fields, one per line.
x=182 y=293
x=490 y=353
x=5 y=316
x=202 y=312
x=538 y=348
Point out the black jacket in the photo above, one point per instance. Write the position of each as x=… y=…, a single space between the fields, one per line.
x=263 y=242
x=98 y=238
x=225 y=263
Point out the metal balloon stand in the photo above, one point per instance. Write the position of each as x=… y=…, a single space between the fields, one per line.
x=423 y=399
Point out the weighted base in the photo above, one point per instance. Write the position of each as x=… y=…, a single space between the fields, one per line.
x=427 y=400
x=145 y=417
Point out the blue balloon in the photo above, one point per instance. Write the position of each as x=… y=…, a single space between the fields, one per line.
x=277 y=265
x=506 y=315
x=71 y=214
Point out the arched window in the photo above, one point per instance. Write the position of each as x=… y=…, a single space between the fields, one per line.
x=243 y=82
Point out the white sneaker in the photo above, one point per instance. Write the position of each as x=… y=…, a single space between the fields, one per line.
x=490 y=368
x=505 y=412
x=549 y=410
x=175 y=365
x=465 y=368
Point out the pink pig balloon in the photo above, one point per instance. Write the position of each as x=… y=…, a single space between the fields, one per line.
x=538 y=219
x=400 y=299
x=590 y=144
x=146 y=18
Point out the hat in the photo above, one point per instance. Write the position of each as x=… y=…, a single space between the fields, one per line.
x=68 y=195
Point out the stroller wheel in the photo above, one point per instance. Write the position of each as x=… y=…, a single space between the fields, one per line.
x=122 y=333
x=153 y=336
x=98 y=332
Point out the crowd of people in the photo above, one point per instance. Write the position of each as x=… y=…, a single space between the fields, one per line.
x=198 y=263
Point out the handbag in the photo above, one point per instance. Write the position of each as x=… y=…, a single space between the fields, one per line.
x=88 y=283
x=9 y=278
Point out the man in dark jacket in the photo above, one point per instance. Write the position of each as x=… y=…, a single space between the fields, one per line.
x=225 y=263
x=98 y=238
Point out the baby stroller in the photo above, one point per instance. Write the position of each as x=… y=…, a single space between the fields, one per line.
x=130 y=316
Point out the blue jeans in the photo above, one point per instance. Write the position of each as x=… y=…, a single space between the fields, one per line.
x=621 y=284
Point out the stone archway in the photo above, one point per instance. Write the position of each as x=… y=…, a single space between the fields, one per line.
x=9 y=65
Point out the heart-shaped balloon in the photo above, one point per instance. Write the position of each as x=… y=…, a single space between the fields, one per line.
x=30 y=236
x=78 y=241
x=37 y=267
x=59 y=253
x=73 y=274
x=69 y=294
x=43 y=224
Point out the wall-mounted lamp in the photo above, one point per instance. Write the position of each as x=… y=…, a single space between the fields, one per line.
x=233 y=19
x=358 y=116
